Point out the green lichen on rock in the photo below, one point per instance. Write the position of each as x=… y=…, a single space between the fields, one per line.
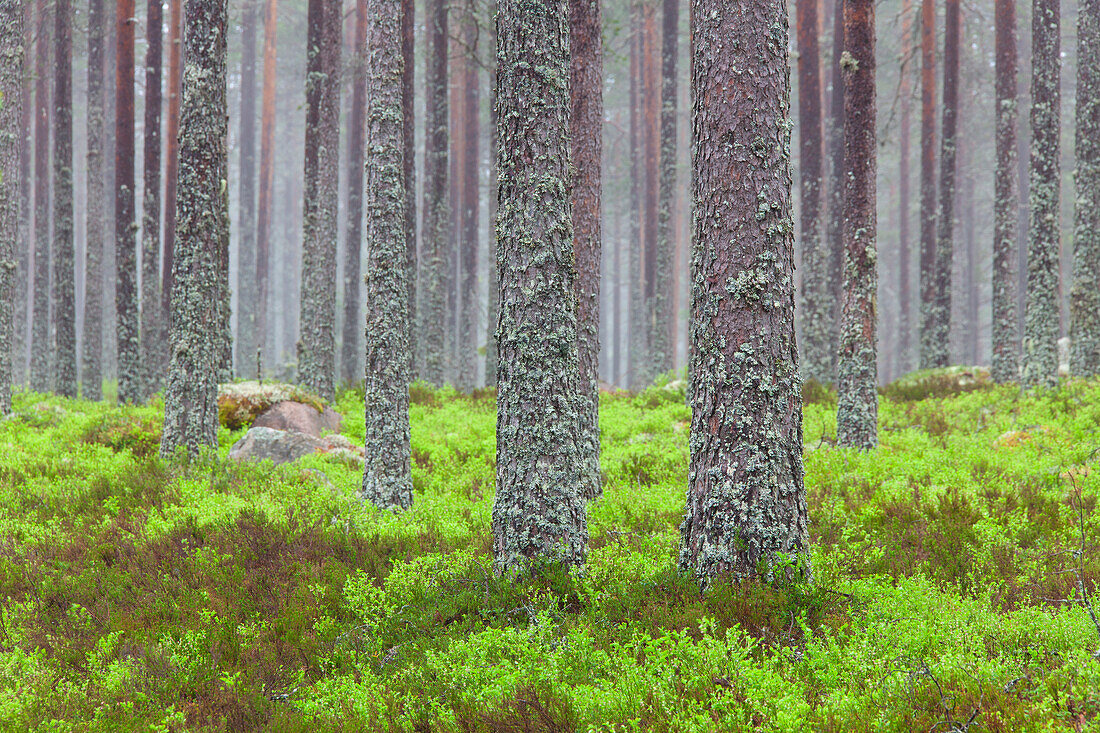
x=240 y=403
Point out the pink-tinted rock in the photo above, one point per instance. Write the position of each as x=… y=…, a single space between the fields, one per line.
x=300 y=418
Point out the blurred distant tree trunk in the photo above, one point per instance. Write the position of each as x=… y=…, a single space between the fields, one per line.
x=905 y=297
x=91 y=375
x=746 y=501
x=126 y=296
x=64 y=278
x=940 y=321
x=352 y=347
x=586 y=78
x=1005 y=333
x=246 y=226
x=817 y=341
x=190 y=399
x=12 y=51
x=470 y=206
x=40 y=306
x=835 y=190
x=408 y=141
x=664 y=350
x=456 y=135
x=23 y=244
x=1043 y=313
x=171 y=165
x=1084 y=358
x=435 y=236
x=656 y=322
x=387 y=477
x=932 y=354
x=491 y=354
x=317 y=323
x=857 y=376
x=267 y=185
x=636 y=315
x=153 y=333
x=973 y=285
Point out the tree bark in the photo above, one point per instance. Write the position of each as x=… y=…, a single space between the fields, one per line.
x=905 y=297
x=656 y=320
x=817 y=337
x=190 y=400
x=64 y=279
x=267 y=182
x=471 y=206
x=940 y=319
x=857 y=408
x=408 y=99
x=932 y=353
x=665 y=307
x=834 y=233
x=1042 y=318
x=387 y=478
x=491 y=353
x=586 y=91
x=247 y=336
x=1084 y=358
x=746 y=502
x=1005 y=334
x=316 y=326
x=11 y=117
x=171 y=166
x=436 y=216
x=539 y=513
x=636 y=322
x=127 y=329
x=352 y=347
x=40 y=306
x=153 y=333
x=22 y=332
x=91 y=375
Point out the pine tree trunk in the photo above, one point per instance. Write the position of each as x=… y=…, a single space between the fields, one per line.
x=11 y=116
x=23 y=245
x=64 y=279
x=1005 y=334
x=387 y=480
x=456 y=161
x=905 y=297
x=1042 y=316
x=834 y=234
x=586 y=80
x=408 y=99
x=636 y=322
x=352 y=347
x=1084 y=358
x=190 y=400
x=40 y=306
x=539 y=513
x=436 y=216
x=932 y=353
x=171 y=166
x=817 y=337
x=491 y=354
x=91 y=375
x=126 y=295
x=247 y=337
x=153 y=333
x=655 y=323
x=945 y=216
x=267 y=185
x=471 y=204
x=746 y=502
x=664 y=304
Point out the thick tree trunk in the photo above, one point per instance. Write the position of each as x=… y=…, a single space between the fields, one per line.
x=436 y=216
x=64 y=279
x=1005 y=334
x=1084 y=358
x=471 y=205
x=817 y=336
x=316 y=326
x=247 y=337
x=91 y=375
x=153 y=334
x=127 y=330
x=1042 y=318
x=190 y=400
x=905 y=297
x=408 y=140
x=267 y=184
x=171 y=166
x=539 y=513
x=586 y=80
x=746 y=503
x=40 y=305
x=664 y=304
x=940 y=320
x=932 y=353
x=387 y=478
x=11 y=117
x=350 y=364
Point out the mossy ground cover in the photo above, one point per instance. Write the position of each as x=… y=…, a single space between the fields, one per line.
x=138 y=594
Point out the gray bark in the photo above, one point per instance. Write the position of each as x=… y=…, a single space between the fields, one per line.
x=1084 y=358
x=1005 y=330
x=153 y=333
x=247 y=295
x=40 y=303
x=91 y=374
x=11 y=120
x=433 y=289
x=127 y=327
x=64 y=285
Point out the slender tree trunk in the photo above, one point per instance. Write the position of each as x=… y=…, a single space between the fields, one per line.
x=26 y=223
x=932 y=353
x=408 y=98
x=64 y=280
x=1005 y=334
x=471 y=205
x=636 y=322
x=539 y=513
x=190 y=400
x=905 y=297
x=491 y=353
x=456 y=164
x=126 y=295
x=387 y=480
x=153 y=333
x=316 y=327
x=834 y=234
x=267 y=183
x=940 y=320
x=1043 y=313
x=171 y=166
x=746 y=502
x=247 y=337
x=656 y=321
x=11 y=116
x=817 y=337
x=436 y=216
x=666 y=285
x=973 y=286
x=91 y=376
x=586 y=89
x=350 y=365
x=1084 y=358
x=40 y=325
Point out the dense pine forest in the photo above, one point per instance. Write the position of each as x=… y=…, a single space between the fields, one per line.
x=549 y=365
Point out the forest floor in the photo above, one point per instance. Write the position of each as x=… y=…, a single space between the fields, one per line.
x=138 y=594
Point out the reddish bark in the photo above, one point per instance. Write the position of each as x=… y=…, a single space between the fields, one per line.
x=267 y=177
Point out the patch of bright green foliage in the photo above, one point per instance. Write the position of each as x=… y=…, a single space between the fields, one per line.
x=137 y=594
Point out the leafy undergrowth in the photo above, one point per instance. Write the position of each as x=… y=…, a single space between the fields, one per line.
x=142 y=595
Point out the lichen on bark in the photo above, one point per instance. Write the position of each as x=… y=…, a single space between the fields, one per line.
x=1005 y=330
x=64 y=268
x=12 y=59
x=153 y=333
x=91 y=373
